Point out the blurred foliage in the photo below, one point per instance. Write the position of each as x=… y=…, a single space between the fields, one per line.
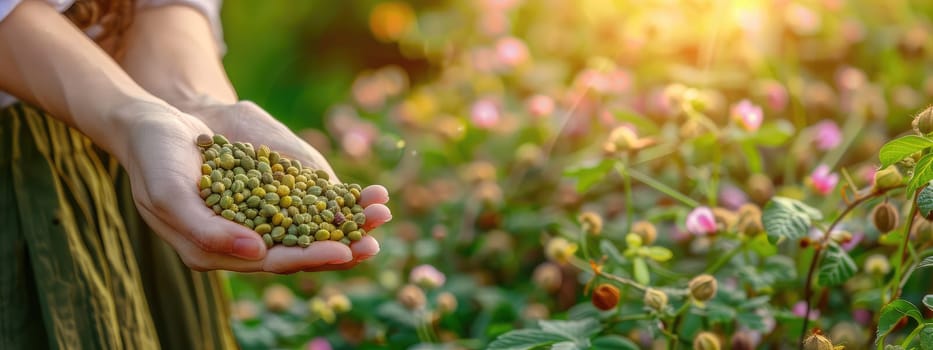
x=496 y=123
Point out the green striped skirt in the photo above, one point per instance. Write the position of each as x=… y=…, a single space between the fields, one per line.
x=78 y=266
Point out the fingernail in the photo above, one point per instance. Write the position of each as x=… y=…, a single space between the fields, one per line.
x=247 y=248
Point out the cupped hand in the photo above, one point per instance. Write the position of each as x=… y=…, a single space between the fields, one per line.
x=246 y=122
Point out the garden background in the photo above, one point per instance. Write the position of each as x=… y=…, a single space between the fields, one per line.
x=539 y=151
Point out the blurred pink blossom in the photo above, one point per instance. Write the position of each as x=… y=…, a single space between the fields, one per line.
x=427 y=276
x=822 y=180
x=493 y=23
x=849 y=79
x=827 y=135
x=775 y=95
x=862 y=316
x=732 y=197
x=700 y=221
x=511 y=51
x=853 y=242
x=484 y=114
x=800 y=309
x=319 y=343
x=540 y=105
x=748 y=115
x=801 y=19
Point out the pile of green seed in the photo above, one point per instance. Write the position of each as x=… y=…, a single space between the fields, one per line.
x=278 y=198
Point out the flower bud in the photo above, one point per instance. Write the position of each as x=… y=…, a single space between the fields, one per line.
x=887 y=178
x=646 y=231
x=548 y=277
x=750 y=220
x=743 y=340
x=278 y=298
x=621 y=139
x=655 y=299
x=877 y=264
x=884 y=217
x=411 y=297
x=446 y=302
x=427 y=276
x=560 y=250
x=923 y=122
x=339 y=303
x=706 y=341
x=605 y=297
x=817 y=342
x=591 y=222
x=760 y=188
x=702 y=287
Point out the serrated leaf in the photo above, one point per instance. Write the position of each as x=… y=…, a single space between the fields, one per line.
x=923 y=173
x=925 y=201
x=781 y=268
x=926 y=337
x=892 y=313
x=898 y=149
x=525 y=339
x=926 y=262
x=786 y=218
x=588 y=176
x=576 y=330
x=565 y=345
x=609 y=249
x=837 y=267
x=614 y=342
x=928 y=301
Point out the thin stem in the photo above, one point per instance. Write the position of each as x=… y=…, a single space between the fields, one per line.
x=808 y=285
x=723 y=259
x=904 y=244
x=675 y=326
x=648 y=180
x=910 y=337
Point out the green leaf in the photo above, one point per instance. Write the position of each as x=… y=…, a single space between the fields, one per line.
x=578 y=330
x=588 y=176
x=837 y=267
x=926 y=337
x=761 y=246
x=610 y=250
x=752 y=156
x=641 y=271
x=774 y=134
x=525 y=339
x=925 y=201
x=927 y=262
x=786 y=218
x=928 y=301
x=566 y=345
x=923 y=173
x=898 y=149
x=614 y=342
x=657 y=253
x=892 y=313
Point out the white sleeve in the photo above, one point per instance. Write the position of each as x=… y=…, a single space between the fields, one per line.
x=7 y=6
x=209 y=8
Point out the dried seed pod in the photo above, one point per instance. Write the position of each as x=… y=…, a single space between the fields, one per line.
x=702 y=287
x=205 y=140
x=884 y=217
x=278 y=233
x=355 y=235
x=706 y=341
x=290 y=240
x=304 y=241
x=322 y=235
x=656 y=299
x=267 y=238
x=817 y=341
x=220 y=140
x=605 y=297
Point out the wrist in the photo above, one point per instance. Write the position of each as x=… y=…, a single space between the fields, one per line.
x=123 y=119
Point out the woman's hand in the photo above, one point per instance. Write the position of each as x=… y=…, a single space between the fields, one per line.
x=163 y=163
x=247 y=122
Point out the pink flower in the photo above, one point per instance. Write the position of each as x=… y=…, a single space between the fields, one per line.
x=540 y=105
x=427 y=276
x=319 y=343
x=484 y=114
x=862 y=316
x=776 y=95
x=822 y=180
x=700 y=221
x=732 y=197
x=748 y=115
x=827 y=135
x=800 y=309
x=511 y=51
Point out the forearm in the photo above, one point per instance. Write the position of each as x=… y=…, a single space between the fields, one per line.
x=47 y=61
x=171 y=52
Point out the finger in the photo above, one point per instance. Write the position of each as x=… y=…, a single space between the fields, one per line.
x=191 y=254
x=283 y=259
x=376 y=214
x=362 y=250
x=374 y=194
